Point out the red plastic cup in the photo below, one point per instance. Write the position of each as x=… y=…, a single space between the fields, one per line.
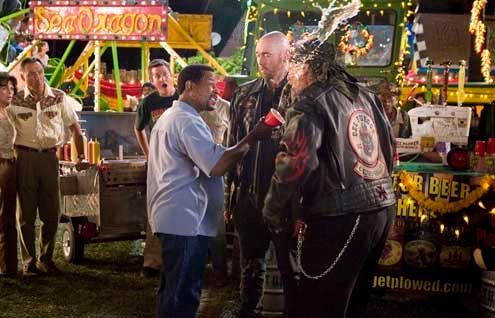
x=490 y=146
x=479 y=148
x=274 y=119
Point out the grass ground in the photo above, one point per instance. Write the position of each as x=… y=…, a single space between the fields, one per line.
x=108 y=284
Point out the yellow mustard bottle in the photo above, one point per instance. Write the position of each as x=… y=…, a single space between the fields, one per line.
x=90 y=151
x=96 y=152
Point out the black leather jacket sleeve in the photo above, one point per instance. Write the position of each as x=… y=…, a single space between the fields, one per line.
x=297 y=159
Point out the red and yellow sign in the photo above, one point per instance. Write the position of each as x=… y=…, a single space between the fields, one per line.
x=92 y=20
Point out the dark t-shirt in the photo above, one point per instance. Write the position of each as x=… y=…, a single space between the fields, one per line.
x=151 y=108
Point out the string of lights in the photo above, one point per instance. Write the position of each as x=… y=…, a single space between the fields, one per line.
x=478 y=28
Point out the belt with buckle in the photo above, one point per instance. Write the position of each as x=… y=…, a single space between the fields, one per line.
x=24 y=148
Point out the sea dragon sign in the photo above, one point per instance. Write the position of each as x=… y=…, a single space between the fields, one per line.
x=100 y=20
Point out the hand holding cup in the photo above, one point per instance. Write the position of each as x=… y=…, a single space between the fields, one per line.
x=264 y=128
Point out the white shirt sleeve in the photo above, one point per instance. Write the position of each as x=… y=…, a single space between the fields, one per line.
x=199 y=145
x=68 y=112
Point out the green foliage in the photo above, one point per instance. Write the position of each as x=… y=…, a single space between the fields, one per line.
x=231 y=64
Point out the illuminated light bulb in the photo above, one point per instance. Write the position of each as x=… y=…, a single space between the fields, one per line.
x=481 y=205
x=457 y=233
x=492 y=211
x=442 y=228
x=485 y=186
x=466 y=219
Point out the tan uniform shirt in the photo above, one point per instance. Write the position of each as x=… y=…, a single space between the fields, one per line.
x=218 y=120
x=40 y=125
x=6 y=139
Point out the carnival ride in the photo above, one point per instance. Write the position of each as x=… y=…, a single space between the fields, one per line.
x=112 y=25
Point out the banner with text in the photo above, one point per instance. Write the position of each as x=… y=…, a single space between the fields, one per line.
x=429 y=253
x=98 y=20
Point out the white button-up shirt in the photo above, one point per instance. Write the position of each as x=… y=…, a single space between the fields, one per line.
x=179 y=189
x=40 y=124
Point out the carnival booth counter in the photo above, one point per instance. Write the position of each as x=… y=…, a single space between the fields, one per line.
x=444 y=210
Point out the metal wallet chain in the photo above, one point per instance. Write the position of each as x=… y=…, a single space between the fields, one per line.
x=300 y=240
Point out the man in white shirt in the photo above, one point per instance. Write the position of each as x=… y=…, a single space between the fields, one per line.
x=218 y=121
x=184 y=169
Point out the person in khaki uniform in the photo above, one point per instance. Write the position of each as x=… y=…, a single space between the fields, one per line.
x=39 y=114
x=8 y=231
x=218 y=121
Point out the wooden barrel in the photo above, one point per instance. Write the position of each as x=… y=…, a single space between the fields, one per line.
x=487 y=295
x=273 y=296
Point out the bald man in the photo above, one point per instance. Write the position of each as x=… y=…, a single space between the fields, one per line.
x=251 y=178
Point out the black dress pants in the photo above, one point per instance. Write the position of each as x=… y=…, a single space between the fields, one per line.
x=344 y=291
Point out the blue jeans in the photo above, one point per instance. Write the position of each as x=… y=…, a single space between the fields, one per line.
x=184 y=260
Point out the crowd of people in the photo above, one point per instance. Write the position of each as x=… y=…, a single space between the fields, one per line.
x=318 y=187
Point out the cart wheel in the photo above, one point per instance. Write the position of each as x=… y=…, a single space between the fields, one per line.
x=72 y=247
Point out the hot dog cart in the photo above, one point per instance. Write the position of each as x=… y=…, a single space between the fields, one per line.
x=106 y=202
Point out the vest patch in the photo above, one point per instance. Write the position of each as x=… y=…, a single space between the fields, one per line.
x=363 y=138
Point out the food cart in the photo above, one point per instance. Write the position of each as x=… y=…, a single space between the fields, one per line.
x=106 y=202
